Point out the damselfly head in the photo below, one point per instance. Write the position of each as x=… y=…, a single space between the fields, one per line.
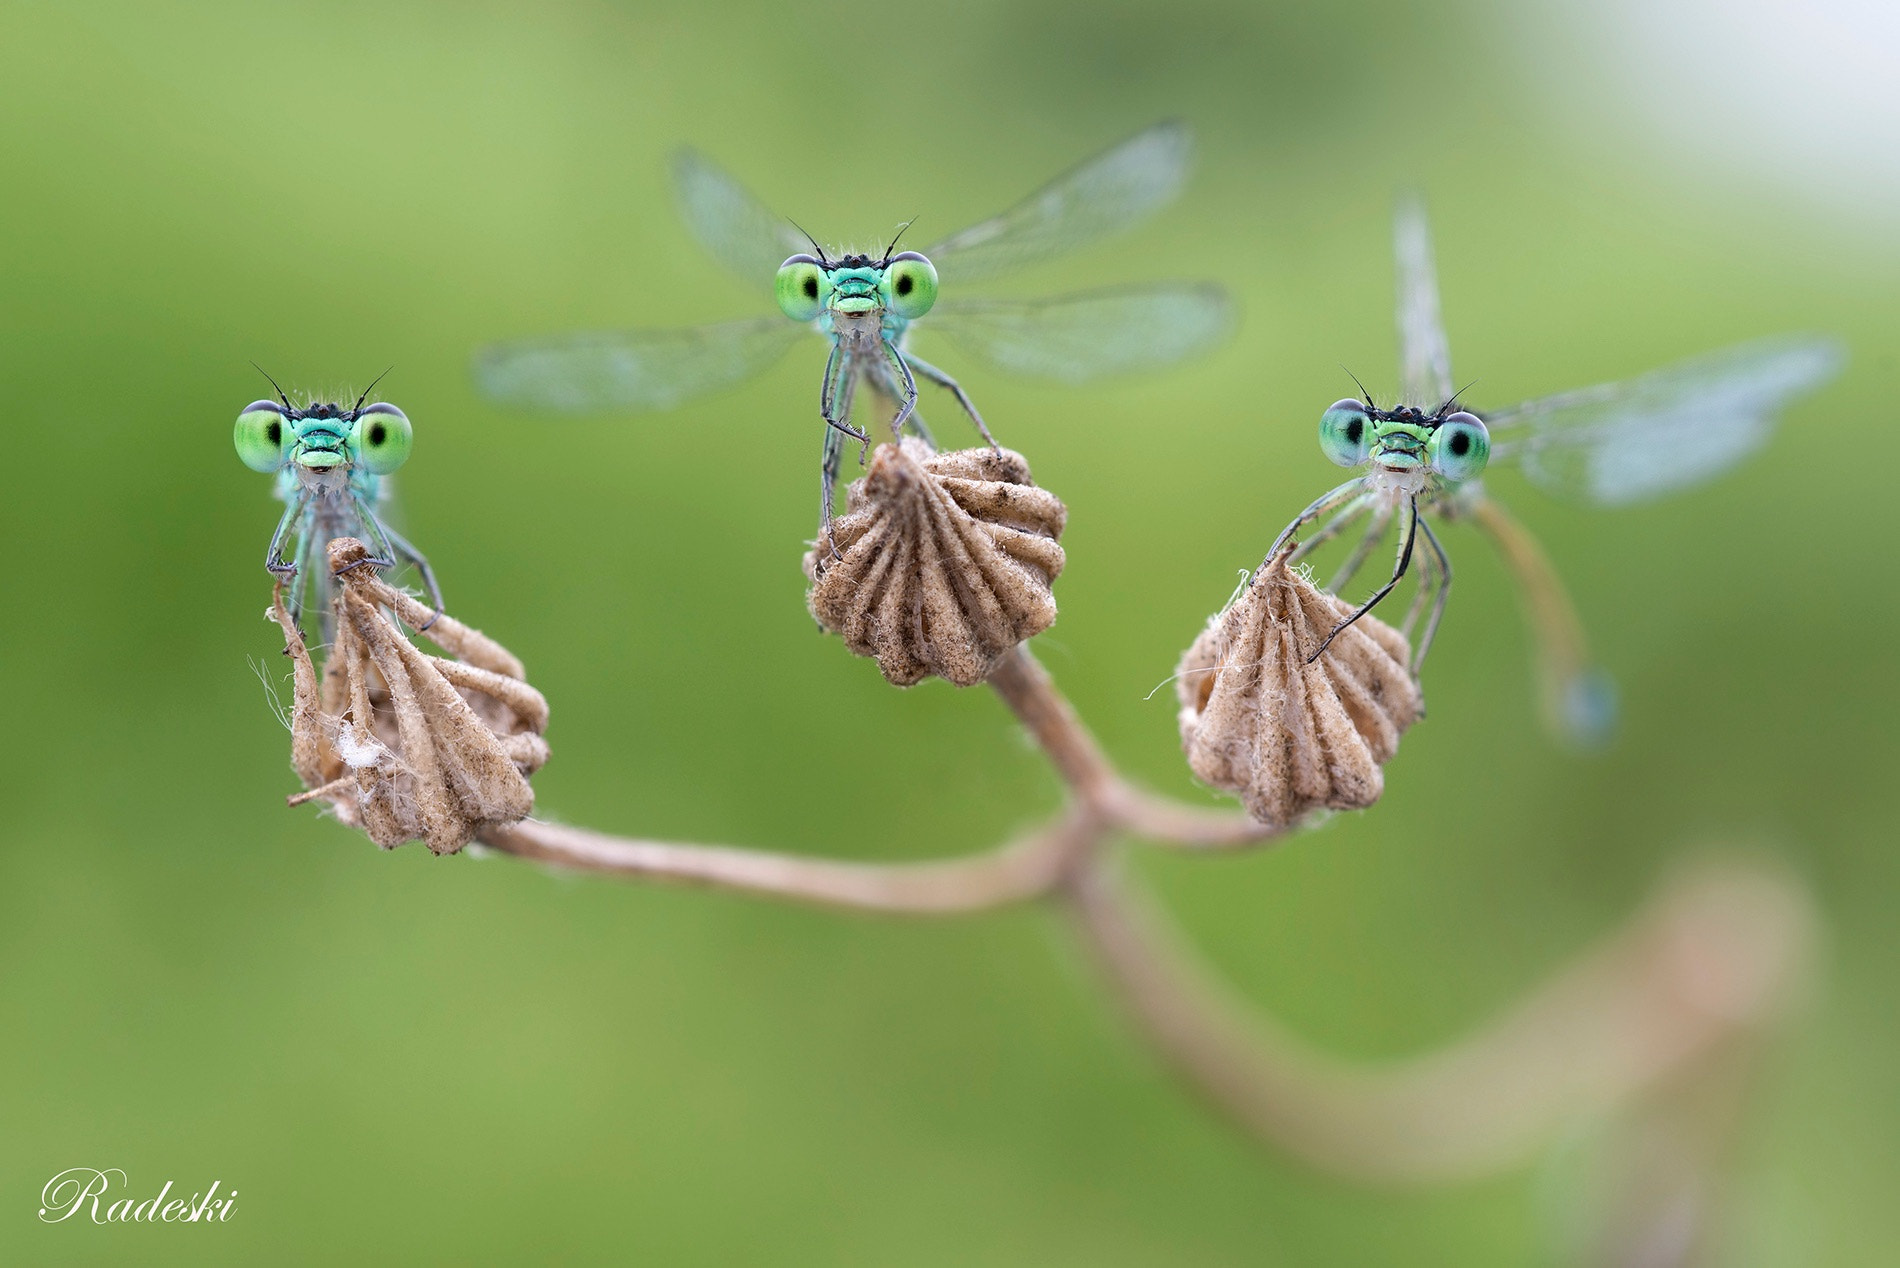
x=322 y=436
x=1453 y=445
x=904 y=284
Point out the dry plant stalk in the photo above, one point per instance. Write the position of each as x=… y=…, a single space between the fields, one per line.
x=405 y=745
x=1287 y=736
x=1715 y=959
x=944 y=565
x=941 y=563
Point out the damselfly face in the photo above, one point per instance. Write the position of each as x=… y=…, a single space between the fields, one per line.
x=323 y=438
x=1406 y=446
x=857 y=299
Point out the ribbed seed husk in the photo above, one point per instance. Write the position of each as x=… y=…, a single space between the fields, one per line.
x=1286 y=736
x=943 y=563
x=406 y=745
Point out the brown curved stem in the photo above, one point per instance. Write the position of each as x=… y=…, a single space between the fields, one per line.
x=1021 y=870
x=1048 y=717
x=1051 y=721
x=1028 y=868
x=1164 y=821
x=1708 y=963
x=1682 y=989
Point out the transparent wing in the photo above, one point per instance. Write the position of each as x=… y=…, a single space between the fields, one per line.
x=1424 y=355
x=1108 y=193
x=1073 y=338
x=1681 y=425
x=631 y=369
x=740 y=231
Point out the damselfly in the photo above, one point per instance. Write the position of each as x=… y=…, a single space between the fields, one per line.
x=866 y=306
x=330 y=461
x=1616 y=443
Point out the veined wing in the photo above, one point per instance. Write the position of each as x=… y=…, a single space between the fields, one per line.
x=1681 y=425
x=740 y=231
x=631 y=369
x=1108 y=193
x=1424 y=354
x=1073 y=338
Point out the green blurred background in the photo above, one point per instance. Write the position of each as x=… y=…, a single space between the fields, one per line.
x=399 y=1058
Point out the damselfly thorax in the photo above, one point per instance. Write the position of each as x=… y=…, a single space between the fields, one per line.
x=862 y=333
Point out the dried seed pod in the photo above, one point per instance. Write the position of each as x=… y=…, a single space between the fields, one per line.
x=943 y=562
x=1286 y=736
x=405 y=745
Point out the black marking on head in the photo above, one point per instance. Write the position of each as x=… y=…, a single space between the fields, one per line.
x=854 y=262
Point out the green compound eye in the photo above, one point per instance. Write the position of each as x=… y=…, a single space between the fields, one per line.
x=1460 y=447
x=1345 y=432
x=912 y=282
x=801 y=288
x=262 y=436
x=381 y=438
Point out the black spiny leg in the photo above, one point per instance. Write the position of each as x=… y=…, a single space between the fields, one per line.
x=1440 y=597
x=834 y=399
x=909 y=402
x=417 y=561
x=886 y=382
x=1333 y=528
x=1398 y=572
x=828 y=478
x=1374 y=534
x=1326 y=504
x=955 y=389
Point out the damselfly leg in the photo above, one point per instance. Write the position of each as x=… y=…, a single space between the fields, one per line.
x=1408 y=538
x=1368 y=542
x=1437 y=580
x=955 y=389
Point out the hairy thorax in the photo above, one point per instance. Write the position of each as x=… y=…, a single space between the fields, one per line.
x=859 y=332
x=1398 y=482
